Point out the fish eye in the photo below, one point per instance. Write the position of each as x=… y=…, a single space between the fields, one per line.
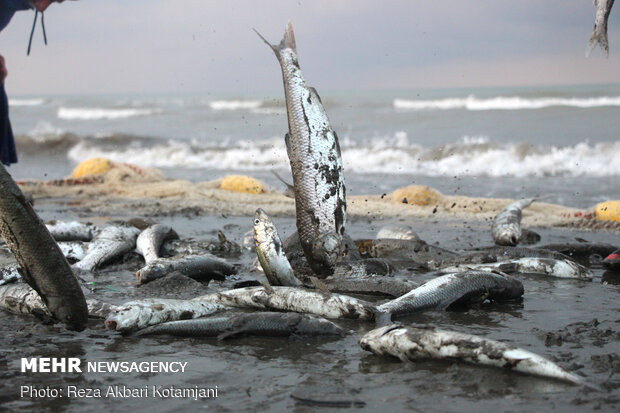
x=256 y=221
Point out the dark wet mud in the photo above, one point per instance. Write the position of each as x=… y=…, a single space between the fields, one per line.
x=574 y=323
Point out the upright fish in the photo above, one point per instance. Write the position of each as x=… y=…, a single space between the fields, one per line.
x=316 y=164
x=599 y=33
x=270 y=252
x=44 y=267
x=418 y=343
x=506 y=228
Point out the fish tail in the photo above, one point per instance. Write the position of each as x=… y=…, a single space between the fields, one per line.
x=287 y=42
x=599 y=37
x=383 y=318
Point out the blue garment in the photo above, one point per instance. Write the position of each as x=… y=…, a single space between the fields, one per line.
x=8 y=154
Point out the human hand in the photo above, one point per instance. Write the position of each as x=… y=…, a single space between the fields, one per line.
x=41 y=5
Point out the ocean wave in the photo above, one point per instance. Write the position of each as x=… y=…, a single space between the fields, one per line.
x=235 y=104
x=469 y=156
x=26 y=102
x=101 y=113
x=504 y=103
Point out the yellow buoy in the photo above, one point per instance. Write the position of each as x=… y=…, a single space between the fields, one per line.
x=416 y=194
x=608 y=211
x=242 y=183
x=93 y=166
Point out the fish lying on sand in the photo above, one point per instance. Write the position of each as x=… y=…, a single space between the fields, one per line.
x=452 y=290
x=599 y=33
x=498 y=254
x=372 y=285
x=44 y=267
x=110 y=243
x=198 y=267
x=151 y=239
x=72 y=230
x=138 y=314
x=545 y=266
x=270 y=253
x=397 y=232
x=20 y=298
x=408 y=253
x=220 y=248
x=418 y=343
x=272 y=324
x=506 y=229
x=316 y=164
x=582 y=251
x=294 y=299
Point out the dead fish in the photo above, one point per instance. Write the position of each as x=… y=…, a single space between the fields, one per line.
x=151 y=239
x=270 y=253
x=599 y=33
x=248 y=241
x=373 y=285
x=316 y=164
x=44 y=267
x=110 y=243
x=363 y=268
x=498 y=254
x=296 y=256
x=397 y=232
x=9 y=274
x=20 y=298
x=544 y=266
x=198 y=267
x=418 y=343
x=403 y=253
x=72 y=230
x=506 y=229
x=581 y=251
x=452 y=290
x=272 y=324
x=294 y=299
x=221 y=248
x=73 y=250
x=138 y=314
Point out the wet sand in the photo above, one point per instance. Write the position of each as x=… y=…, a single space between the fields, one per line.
x=556 y=318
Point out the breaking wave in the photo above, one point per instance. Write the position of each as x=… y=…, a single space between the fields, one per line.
x=101 y=113
x=470 y=156
x=26 y=102
x=235 y=104
x=503 y=103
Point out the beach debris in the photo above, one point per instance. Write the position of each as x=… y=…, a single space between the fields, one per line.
x=607 y=211
x=544 y=266
x=506 y=229
x=294 y=299
x=452 y=290
x=198 y=267
x=599 y=33
x=612 y=261
x=150 y=240
x=271 y=324
x=424 y=342
x=44 y=267
x=316 y=164
x=112 y=242
x=420 y=195
x=397 y=232
x=139 y=314
x=270 y=252
x=72 y=230
x=242 y=183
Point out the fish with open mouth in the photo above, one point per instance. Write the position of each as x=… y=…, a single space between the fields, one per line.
x=316 y=164
x=506 y=229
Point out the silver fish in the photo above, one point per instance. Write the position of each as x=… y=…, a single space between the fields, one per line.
x=258 y=324
x=72 y=230
x=545 y=266
x=198 y=267
x=73 y=250
x=151 y=239
x=44 y=267
x=454 y=289
x=411 y=343
x=138 y=314
x=403 y=252
x=270 y=253
x=294 y=299
x=374 y=285
x=506 y=229
x=498 y=254
x=599 y=33
x=248 y=241
x=9 y=274
x=316 y=163
x=110 y=243
x=397 y=232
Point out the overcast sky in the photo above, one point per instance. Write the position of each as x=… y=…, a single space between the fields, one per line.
x=155 y=46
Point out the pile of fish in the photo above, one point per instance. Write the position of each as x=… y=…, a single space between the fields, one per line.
x=310 y=277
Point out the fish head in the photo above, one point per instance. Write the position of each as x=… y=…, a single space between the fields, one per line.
x=124 y=318
x=371 y=339
x=508 y=237
x=327 y=250
x=264 y=229
x=67 y=314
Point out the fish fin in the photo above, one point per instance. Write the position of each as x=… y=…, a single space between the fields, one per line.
x=287 y=42
x=383 y=318
x=320 y=286
x=600 y=39
x=290 y=187
x=315 y=93
x=230 y=333
x=287 y=142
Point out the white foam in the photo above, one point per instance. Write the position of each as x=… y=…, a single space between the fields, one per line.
x=503 y=103
x=101 y=113
x=26 y=102
x=469 y=156
x=235 y=104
